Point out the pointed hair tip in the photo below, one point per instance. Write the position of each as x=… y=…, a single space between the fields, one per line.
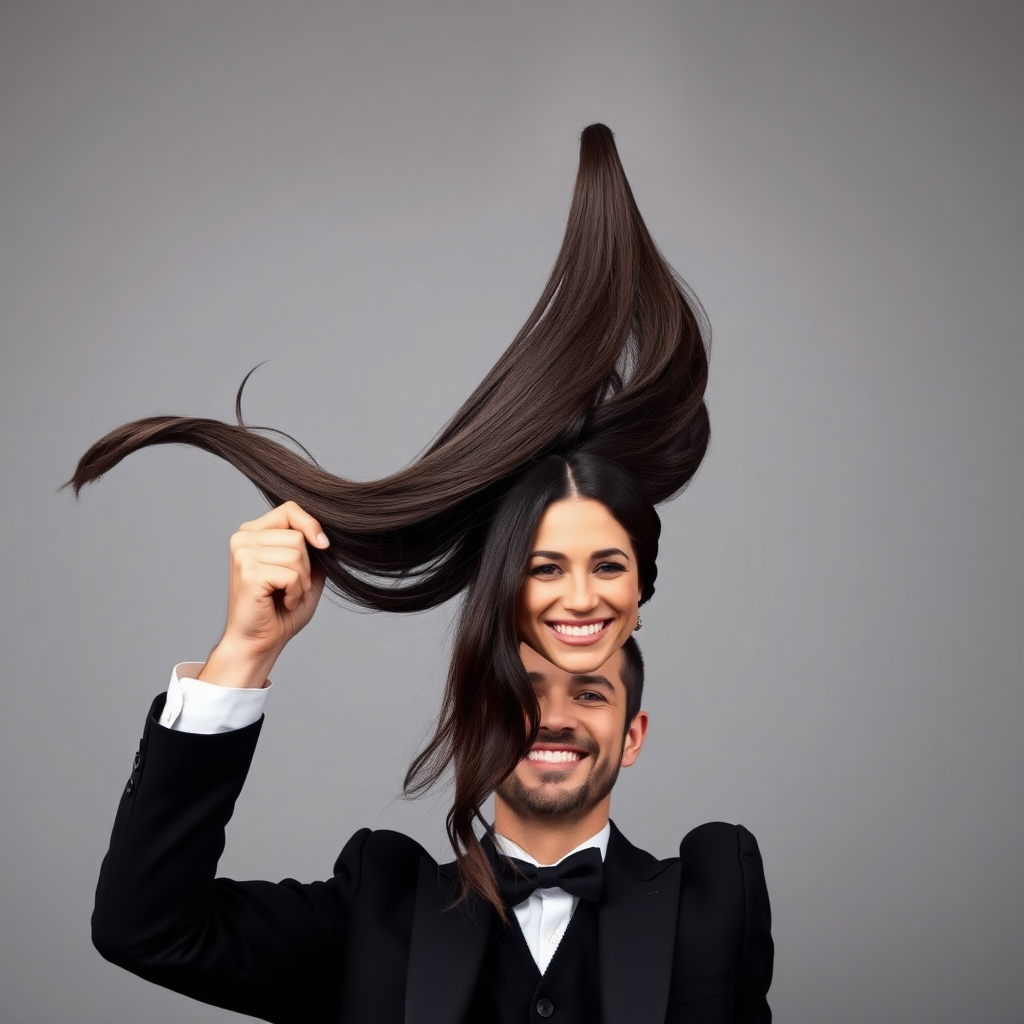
x=596 y=130
x=74 y=486
x=597 y=141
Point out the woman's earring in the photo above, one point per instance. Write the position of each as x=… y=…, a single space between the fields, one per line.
x=639 y=623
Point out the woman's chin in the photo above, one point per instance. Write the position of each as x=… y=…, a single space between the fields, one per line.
x=581 y=660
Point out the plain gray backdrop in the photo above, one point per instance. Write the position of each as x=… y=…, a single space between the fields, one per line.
x=368 y=194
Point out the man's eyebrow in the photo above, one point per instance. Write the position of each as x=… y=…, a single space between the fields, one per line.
x=591 y=679
x=535 y=677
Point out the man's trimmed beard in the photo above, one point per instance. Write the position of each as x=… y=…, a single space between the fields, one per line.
x=548 y=800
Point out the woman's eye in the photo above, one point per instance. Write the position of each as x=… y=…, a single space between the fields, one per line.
x=610 y=567
x=544 y=571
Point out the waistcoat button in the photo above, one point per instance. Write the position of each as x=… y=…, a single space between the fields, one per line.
x=545 y=1007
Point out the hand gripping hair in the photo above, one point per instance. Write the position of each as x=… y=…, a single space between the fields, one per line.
x=600 y=395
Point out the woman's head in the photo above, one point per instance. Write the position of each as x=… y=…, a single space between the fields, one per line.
x=581 y=590
x=569 y=557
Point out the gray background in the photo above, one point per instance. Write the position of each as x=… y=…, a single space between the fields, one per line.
x=369 y=195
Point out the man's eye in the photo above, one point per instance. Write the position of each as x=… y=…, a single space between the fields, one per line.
x=589 y=696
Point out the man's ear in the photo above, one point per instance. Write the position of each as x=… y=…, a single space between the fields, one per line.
x=635 y=736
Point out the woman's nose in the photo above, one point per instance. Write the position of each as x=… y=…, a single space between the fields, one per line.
x=579 y=593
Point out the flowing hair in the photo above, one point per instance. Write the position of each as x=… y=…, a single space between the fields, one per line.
x=608 y=372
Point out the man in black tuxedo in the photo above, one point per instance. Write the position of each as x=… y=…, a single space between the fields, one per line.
x=602 y=932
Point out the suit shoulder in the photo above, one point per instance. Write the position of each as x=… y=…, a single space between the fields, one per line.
x=380 y=850
x=715 y=843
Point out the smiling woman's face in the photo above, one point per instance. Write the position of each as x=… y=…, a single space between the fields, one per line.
x=581 y=589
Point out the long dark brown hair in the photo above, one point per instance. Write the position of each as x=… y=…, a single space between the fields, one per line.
x=608 y=372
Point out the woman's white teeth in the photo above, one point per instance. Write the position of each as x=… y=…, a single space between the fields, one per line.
x=594 y=627
x=553 y=755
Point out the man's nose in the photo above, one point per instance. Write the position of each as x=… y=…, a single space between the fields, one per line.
x=558 y=714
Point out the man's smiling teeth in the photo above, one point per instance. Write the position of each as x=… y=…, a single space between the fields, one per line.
x=594 y=627
x=553 y=755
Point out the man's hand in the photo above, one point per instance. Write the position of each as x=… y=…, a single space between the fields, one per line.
x=273 y=593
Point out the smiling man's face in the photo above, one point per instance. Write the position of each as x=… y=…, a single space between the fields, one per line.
x=568 y=774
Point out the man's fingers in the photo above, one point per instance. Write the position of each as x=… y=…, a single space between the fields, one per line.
x=269 y=539
x=274 y=589
x=290 y=516
x=277 y=579
x=289 y=557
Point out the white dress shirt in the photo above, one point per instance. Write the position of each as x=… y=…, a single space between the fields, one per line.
x=545 y=916
x=195 y=706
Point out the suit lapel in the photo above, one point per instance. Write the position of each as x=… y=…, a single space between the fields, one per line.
x=446 y=948
x=636 y=931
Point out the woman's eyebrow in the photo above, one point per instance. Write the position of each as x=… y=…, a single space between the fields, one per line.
x=558 y=555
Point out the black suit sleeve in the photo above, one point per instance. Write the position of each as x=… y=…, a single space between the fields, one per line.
x=265 y=949
x=756 y=954
x=724 y=949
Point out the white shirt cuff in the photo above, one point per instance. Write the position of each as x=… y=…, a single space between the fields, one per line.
x=195 y=706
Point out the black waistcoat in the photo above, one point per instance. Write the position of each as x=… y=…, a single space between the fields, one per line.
x=511 y=989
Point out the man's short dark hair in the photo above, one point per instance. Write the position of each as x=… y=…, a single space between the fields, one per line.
x=632 y=678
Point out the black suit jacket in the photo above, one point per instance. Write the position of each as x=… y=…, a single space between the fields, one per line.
x=681 y=940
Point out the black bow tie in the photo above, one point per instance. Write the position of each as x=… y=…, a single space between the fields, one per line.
x=579 y=875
